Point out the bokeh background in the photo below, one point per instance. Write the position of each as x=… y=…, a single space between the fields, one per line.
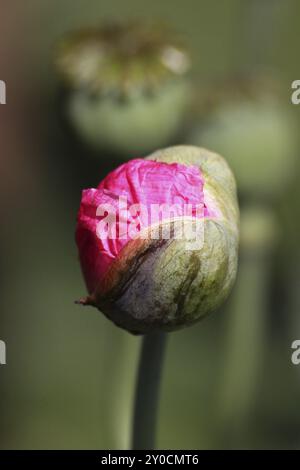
x=69 y=380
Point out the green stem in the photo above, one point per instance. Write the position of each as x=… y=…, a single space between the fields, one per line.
x=147 y=391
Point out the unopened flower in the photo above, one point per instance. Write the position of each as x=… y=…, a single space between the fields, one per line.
x=158 y=239
x=127 y=83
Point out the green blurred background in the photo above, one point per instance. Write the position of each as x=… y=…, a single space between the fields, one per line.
x=69 y=378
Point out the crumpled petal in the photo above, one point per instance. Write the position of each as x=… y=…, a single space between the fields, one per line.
x=143 y=182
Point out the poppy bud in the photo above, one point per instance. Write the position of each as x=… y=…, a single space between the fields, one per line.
x=127 y=84
x=158 y=239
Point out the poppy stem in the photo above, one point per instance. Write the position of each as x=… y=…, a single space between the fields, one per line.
x=147 y=390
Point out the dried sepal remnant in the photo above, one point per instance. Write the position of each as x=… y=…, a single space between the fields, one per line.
x=167 y=283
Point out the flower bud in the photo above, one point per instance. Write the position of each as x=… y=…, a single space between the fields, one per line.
x=128 y=87
x=158 y=239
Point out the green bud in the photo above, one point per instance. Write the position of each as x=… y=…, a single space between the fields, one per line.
x=162 y=285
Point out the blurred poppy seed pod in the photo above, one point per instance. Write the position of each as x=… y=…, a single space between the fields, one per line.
x=128 y=86
x=150 y=281
x=247 y=121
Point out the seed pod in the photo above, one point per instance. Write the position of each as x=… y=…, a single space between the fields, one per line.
x=248 y=121
x=127 y=82
x=151 y=282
